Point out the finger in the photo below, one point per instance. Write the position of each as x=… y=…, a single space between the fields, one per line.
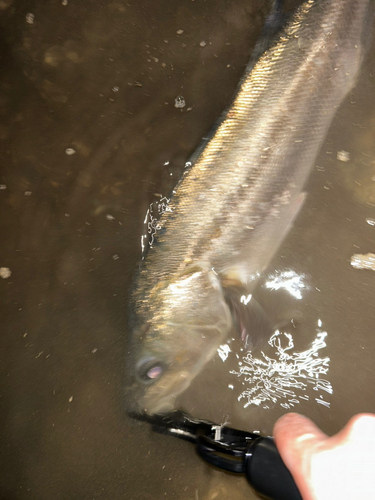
x=349 y=458
x=297 y=438
x=294 y=433
x=359 y=426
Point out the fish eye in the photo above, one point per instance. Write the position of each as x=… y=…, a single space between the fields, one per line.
x=150 y=370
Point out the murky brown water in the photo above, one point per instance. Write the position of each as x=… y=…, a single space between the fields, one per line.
x=87 y=124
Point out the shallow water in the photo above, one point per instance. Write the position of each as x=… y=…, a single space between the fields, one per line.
x=88 y=124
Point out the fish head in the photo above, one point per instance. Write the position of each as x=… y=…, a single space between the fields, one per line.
x=179 y=324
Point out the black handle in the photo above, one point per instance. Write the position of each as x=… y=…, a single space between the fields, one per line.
x=267 y=473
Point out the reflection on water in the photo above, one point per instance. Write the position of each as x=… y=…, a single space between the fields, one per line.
x=288 y=377
x=367 y=261
x=282 y=374
x=288 y=280
x=151 y=221
x=285 y=376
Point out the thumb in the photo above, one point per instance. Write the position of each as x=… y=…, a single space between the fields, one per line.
x=297 y=439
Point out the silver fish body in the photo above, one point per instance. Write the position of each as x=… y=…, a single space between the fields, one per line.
x=234 y=206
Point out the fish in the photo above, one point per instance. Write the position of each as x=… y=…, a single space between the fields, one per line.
x=237 y=201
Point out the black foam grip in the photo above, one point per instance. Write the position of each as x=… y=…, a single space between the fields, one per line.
x=267 y=473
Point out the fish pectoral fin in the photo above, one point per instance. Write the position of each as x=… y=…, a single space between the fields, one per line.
x=249 y=318
x=257 y=251
x=274 y=231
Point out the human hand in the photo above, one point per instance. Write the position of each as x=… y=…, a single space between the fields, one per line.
x=341 y=467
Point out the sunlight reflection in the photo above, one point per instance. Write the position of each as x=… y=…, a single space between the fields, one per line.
x=246 y=299
x=151 y=221
x=289 y=281
x=286 y=377
x=224 y=351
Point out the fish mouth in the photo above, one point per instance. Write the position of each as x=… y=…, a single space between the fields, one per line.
x=161 y=397
x=163 y=405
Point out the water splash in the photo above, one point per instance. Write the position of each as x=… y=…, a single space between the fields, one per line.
x=287 y=377
x=152 y=221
